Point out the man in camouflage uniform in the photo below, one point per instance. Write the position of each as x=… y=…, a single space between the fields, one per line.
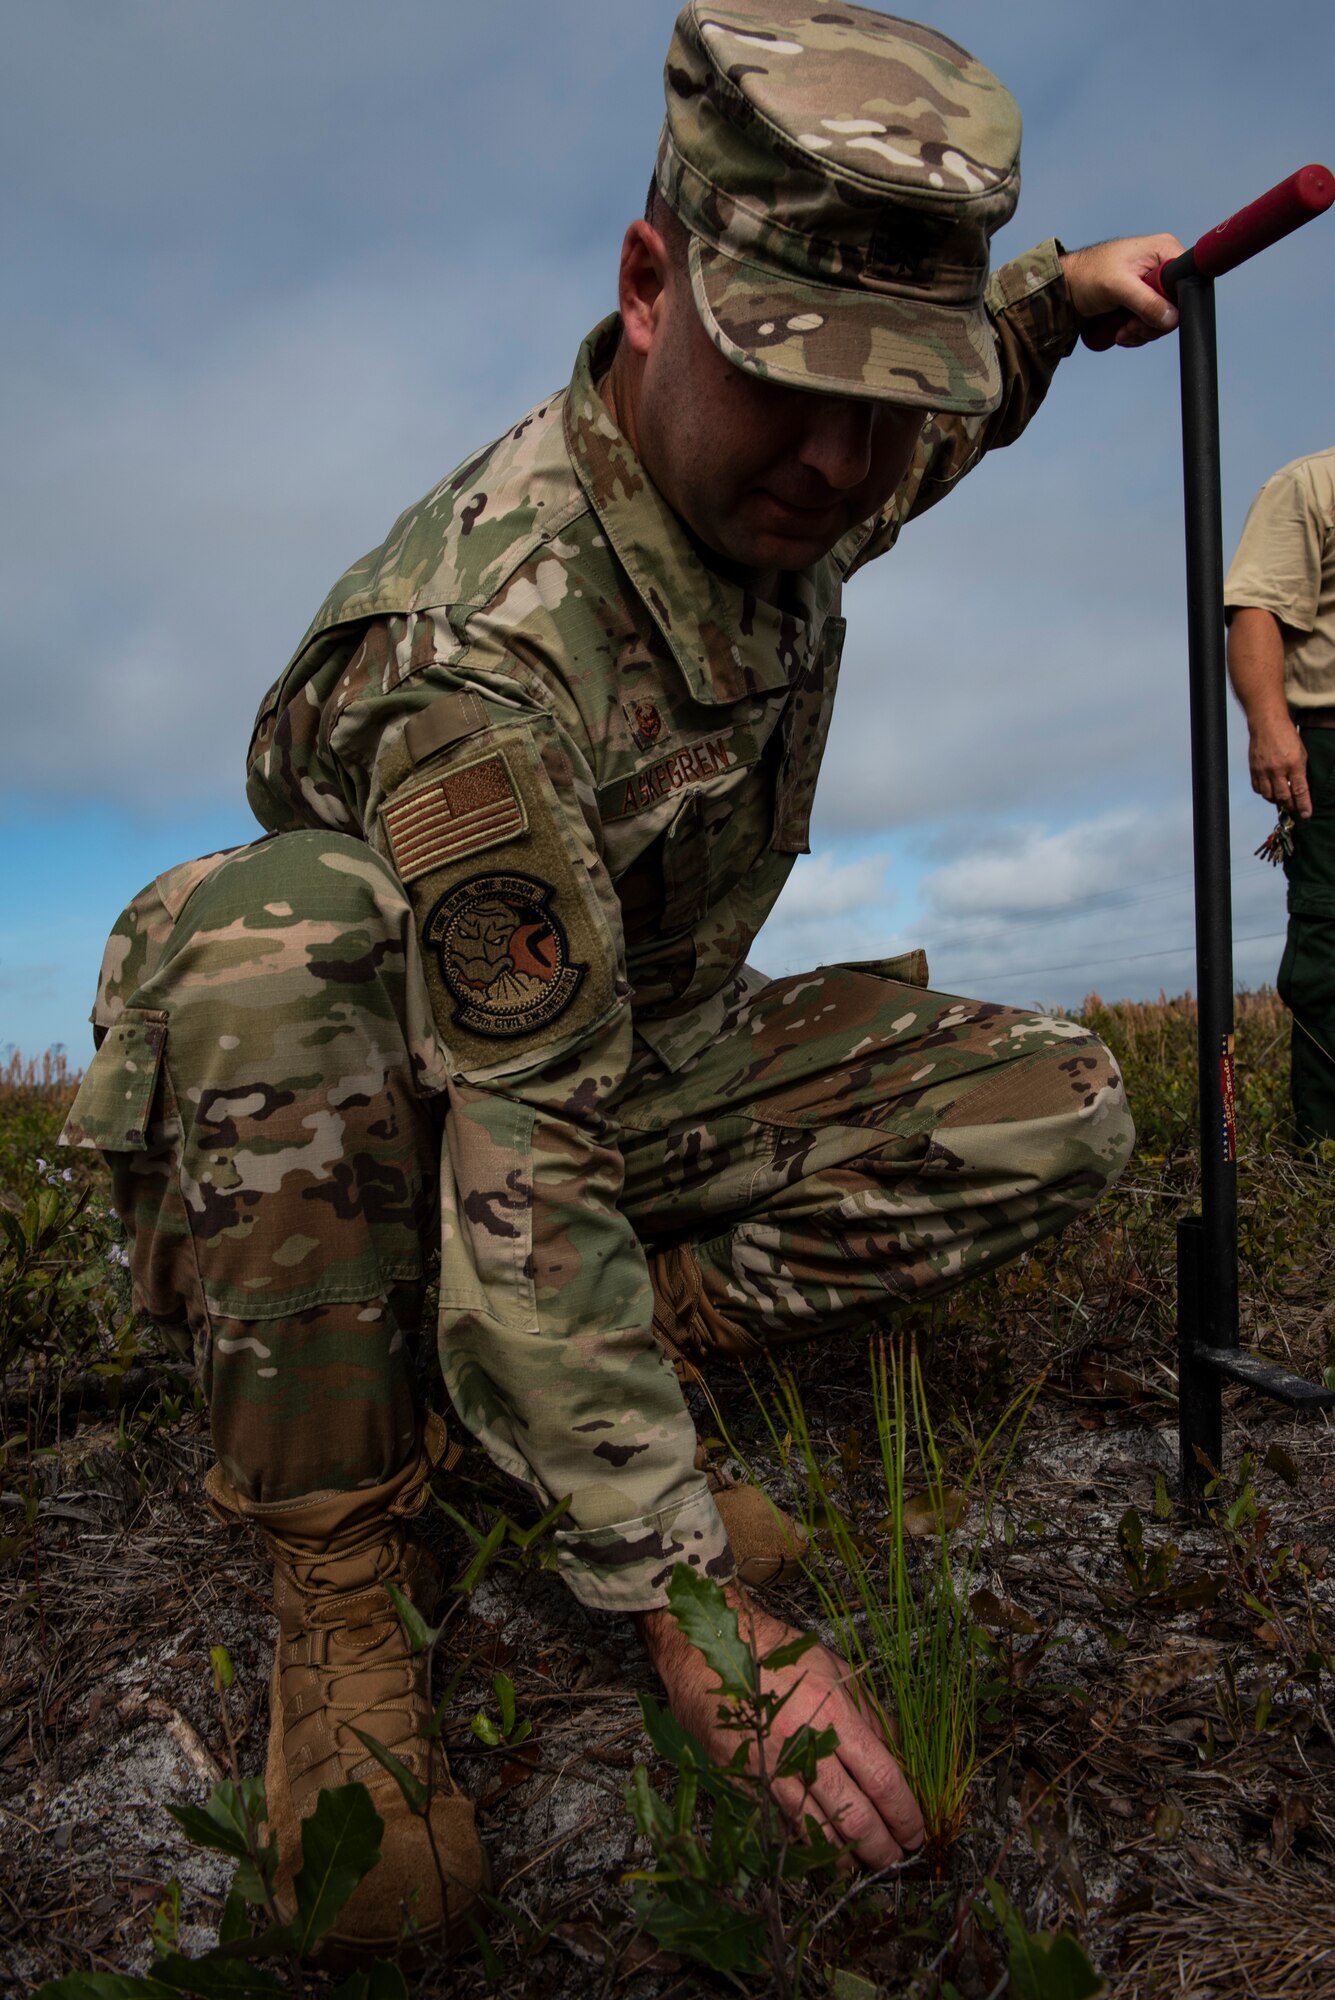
x=533 y=780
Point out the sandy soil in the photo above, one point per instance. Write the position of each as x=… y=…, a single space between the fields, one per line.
x=1129 y=1791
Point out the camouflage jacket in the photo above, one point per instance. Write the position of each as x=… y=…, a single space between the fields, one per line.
x=591 y=760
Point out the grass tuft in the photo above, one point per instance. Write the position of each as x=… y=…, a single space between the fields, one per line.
x=905 y=1625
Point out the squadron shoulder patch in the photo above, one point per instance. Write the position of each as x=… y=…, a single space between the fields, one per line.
x=472 y=807
x=503 y=954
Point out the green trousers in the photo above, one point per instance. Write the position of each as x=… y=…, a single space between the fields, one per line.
x=1307 y=970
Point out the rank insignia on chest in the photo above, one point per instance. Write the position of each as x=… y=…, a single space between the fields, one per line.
x=503 y=954
x=646 y=724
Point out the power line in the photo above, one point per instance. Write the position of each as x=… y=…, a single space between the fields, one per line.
x=1084 y=964
x=994 y=929
x=1128 y=896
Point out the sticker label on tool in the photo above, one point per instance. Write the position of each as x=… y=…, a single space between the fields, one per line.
x=1229 y=1133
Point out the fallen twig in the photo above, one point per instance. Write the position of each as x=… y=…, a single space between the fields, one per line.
x=186 y=1737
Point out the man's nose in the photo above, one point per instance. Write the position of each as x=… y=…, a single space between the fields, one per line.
x=837 y=440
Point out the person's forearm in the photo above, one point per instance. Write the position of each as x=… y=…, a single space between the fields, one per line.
x=1275 y=754
x=1256 y=666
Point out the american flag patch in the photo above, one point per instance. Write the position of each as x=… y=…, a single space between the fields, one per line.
x=474 y=807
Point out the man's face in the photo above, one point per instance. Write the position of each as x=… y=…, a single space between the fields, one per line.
x=766 y=476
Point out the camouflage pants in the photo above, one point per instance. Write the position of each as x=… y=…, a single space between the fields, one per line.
x=270 y=1096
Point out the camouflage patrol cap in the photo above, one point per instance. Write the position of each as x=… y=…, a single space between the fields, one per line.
x=840 y=173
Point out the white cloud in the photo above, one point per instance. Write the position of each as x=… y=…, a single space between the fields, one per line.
x=1048 y=914
x=830 y=909
x=1032 y=915
x=213 y=502
x=1030 y=869
x=821 y=887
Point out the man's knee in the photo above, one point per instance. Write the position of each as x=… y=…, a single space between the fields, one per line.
x=322 y=898
x=296 y=954
x=324 y=888
x=1055 y=1114
x=262 y=1095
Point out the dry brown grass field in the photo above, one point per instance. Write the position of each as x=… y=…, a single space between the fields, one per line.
x=1156 y=1746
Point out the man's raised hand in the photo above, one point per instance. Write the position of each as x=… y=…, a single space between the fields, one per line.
x=1113 y=278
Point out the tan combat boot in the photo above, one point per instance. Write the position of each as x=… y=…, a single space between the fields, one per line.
x=767 y=1544
x=342 y=1663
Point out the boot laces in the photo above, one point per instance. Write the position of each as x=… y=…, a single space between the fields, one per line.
x=361 y=1641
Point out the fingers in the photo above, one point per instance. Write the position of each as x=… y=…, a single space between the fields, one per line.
x=1155 y=315
x=1282 y=778
x=865 y=1755
x=844 y=1814
x=1135 y=332
x=1116 y=278
x=803 y=1810
x=1160 y=248
x=860 y=1797
x=1300 y=797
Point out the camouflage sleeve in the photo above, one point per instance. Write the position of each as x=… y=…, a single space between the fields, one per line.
x=484 y=806
x=1035 y=326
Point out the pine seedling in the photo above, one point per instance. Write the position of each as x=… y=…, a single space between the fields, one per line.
x=910 y=1638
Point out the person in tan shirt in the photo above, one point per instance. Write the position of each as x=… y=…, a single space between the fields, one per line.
x=1279 y=597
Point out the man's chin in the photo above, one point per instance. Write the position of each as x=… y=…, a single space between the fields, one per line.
x=795 y=547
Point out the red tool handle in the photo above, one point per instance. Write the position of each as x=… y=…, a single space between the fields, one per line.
x=1272 y=215
x=1280 y=210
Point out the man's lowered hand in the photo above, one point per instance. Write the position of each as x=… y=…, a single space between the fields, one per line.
x=860 y=1799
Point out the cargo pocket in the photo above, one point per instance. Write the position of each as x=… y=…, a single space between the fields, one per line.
x=125 y=1109
x=113 y=1107
x=1306 y=980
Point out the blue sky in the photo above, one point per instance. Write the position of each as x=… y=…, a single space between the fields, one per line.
x=275 y=269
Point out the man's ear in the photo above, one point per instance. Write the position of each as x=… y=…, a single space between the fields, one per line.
x=641 y=285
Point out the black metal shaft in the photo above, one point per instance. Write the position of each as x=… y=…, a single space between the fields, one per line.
x=1207 y=1244
x=1200 y=1403
x=1218 y=1296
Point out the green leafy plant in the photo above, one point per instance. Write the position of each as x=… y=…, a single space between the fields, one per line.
x=503 y=1541
x=62 y=1304
x=1044 y=1965
x=713 y=1894
x=506 y=1727
x=1273 y=1581
x=912 y=1640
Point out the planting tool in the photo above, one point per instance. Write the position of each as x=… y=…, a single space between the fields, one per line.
x=1207 y=1244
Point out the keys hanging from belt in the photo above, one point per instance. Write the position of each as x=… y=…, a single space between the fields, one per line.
x=1278 y=845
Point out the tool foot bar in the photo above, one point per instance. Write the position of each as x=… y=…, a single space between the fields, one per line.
x=1279 y=1383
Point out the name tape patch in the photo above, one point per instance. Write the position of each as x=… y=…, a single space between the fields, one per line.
x=473 y=807
x=683 y=767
